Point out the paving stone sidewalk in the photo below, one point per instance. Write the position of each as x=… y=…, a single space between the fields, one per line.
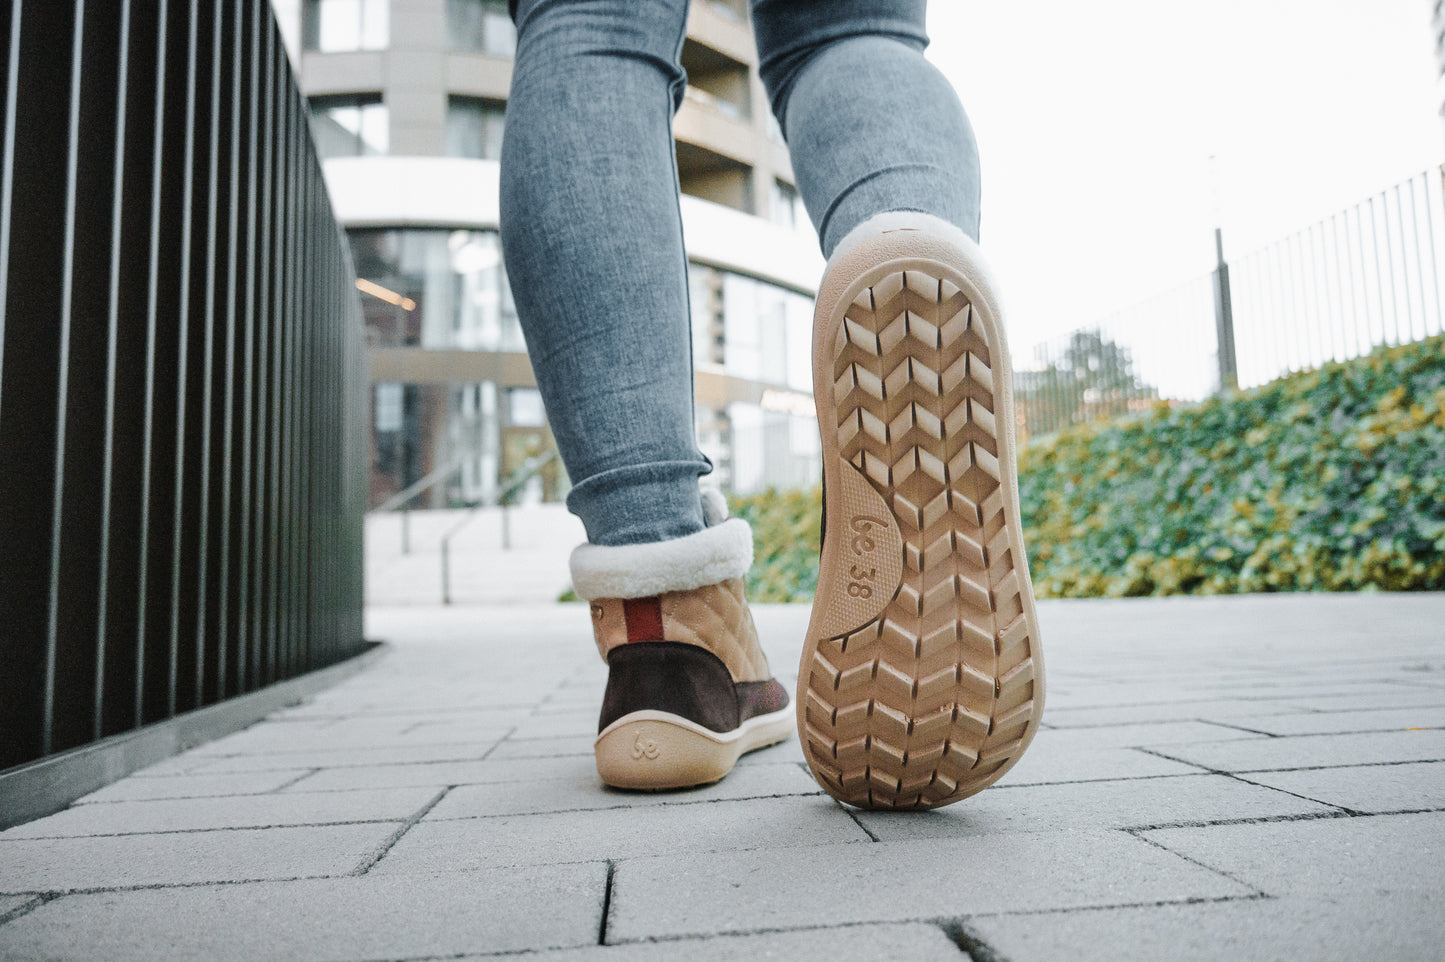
x=1232 y=778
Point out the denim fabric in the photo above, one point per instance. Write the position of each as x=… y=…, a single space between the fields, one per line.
x=592 y=234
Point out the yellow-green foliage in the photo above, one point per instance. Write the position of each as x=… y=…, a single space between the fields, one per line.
x=786 y=528
x=1332 y=480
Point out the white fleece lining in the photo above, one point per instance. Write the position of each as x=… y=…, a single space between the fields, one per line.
x=891 y=220
x=642 y=570
x=714 y=507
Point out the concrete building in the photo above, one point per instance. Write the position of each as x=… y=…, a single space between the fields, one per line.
x=409 y=105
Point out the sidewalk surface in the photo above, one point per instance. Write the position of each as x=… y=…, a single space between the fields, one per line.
x=1231 y=778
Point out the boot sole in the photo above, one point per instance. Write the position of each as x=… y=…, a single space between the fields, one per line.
x=655 y=750
x=921 y=680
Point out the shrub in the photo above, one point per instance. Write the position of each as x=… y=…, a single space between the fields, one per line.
x=1330 y=480
x=787 y=526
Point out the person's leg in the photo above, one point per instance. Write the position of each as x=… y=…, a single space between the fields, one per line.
x=921 y=677
x=871 y=125
x=592 y=237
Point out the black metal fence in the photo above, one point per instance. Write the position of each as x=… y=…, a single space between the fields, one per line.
x=182 y=444
x=1364 y=277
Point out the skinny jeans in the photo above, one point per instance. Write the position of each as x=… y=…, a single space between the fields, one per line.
x=592 y=231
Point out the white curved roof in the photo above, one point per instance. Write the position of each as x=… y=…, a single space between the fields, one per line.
x=452 y=192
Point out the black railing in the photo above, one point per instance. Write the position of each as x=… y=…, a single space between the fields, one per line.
x=182 y=446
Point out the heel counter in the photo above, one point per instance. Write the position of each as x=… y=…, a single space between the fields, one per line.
x=681 y=679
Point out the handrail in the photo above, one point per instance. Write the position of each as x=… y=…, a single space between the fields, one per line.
x=526 y=472
x=417 y=487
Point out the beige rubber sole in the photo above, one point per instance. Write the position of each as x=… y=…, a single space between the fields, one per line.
x=655 y=750
x=921 y=679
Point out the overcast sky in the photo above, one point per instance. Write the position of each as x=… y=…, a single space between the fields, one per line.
x=1096 y=119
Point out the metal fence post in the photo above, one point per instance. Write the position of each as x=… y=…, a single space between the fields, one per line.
x=446 y=571
x=1224 y=318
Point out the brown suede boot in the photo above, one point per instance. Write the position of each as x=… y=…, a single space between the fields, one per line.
x=689 y=689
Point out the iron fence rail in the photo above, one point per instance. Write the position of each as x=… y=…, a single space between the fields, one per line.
x=1367 y=276
x=182 y=435
x=1364 y=277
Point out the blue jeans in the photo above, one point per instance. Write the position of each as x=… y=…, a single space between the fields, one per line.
x=592 y=233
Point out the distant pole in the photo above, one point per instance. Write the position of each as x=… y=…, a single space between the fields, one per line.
x=1224 y=318
x=1223 y=305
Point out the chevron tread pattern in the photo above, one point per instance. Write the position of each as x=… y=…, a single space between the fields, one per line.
x=925 y=704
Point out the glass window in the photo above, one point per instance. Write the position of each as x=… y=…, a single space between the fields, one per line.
x=770 y=449
x=349 y=126
x=704 y=285
x=524 y=408
x=388 y=408
x=786 y=207
x=475 y=127
x=775 y=132
x=435 y=289
x=767 y=332
x=481 y=26
x=330 y=26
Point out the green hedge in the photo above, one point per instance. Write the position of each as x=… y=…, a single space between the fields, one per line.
x=1329 y=480
x=1332 y=480
x=786 y=530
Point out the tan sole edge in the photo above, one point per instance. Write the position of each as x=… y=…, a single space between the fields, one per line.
x=656 y=750
x=921 y=680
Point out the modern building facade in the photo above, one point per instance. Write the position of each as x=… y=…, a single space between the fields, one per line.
x=408 y=101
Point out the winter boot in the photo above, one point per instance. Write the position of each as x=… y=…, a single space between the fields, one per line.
x=921 y=679
x=689 y=689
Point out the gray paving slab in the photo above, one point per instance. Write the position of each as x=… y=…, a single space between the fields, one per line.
x=1155 y=692
x=320 y=920
x=1047 y=761
x=679 y=895
x=786 y=752
x=544 y=747
x=1093 y=806
x=1216 y=710
x=1395 y=696
x=1401 y=929
x=1041 y=850
x=361 y=734
x=240 y=811
x=854 y=943
x=185 y=858
x=586 y=695
x=194 y=786
x=1345 y=722
x=746 y=781
x=10 y=904
x=558 y=723
x=1368 y=857
x=342 y=711
x=679 y=830
x=1180 y=732
x=1410 y=787
x=348 y=758
x=580 y=769
x=1311 y=751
